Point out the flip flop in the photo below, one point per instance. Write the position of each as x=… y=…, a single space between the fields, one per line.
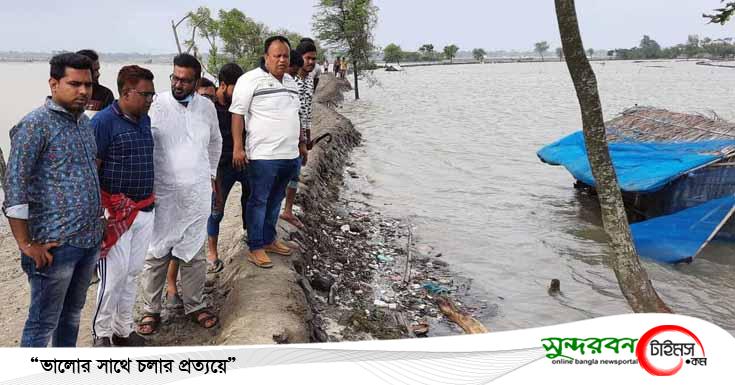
x=215 y=267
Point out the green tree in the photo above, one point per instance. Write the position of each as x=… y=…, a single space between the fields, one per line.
x=450 y=52
x=560 y=53
x=650 y=49
x=242 y=37
x=348 y=25
x=632 y=277
x=722 y=15
x=692 y=46
x=479 y=54
x=591 y=52
x=392 y=53
x=427 y=51
x=541 y=48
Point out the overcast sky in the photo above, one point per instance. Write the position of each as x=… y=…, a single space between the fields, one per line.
x=144 y=25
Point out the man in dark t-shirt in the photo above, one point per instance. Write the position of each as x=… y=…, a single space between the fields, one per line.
x=102 y=97
x=226 y=174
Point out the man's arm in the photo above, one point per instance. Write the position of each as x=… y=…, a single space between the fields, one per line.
x=239 y=158
x=215 y=142
x=242 y=96
x=26 y=144
x=102 y=138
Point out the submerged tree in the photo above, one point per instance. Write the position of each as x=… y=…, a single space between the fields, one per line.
x=649 y=48
x=450 y=52
x=427 y=50
x=392 y=53
x=348 y=25
x=541 y=48
x=631 y=275
x=479 y=54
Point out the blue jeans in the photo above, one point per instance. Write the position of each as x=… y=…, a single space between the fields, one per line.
x=268 y=180
x=294 y=182
x=58 y=293
x=226 y=178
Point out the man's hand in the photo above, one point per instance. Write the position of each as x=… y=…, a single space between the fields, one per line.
x=304 y=153
x=239 y=159
x=40 y=253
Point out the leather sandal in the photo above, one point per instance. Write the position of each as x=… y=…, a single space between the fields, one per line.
x=154 y=320
x=202 y=321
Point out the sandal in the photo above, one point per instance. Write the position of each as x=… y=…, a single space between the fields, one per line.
x=215 y=267
x=202 y=321
x=154 y=319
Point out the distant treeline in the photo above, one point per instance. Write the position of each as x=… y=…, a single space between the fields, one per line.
x=694 y=47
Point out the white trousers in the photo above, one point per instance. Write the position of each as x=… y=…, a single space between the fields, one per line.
x=118 y=284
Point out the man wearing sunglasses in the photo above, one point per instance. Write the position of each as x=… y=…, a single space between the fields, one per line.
x=187 y=150
x=125 y=161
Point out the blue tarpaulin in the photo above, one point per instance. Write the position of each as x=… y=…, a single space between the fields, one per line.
x=646 y=167
x=681 y=236
x=640 y=166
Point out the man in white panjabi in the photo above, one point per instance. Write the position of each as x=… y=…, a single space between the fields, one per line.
x=187 y=149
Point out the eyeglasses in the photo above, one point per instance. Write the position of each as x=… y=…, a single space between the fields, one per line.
x=175 y=79
x=147 y=95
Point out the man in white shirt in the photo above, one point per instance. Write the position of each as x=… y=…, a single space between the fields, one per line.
x=187 y=149
x=265 y=104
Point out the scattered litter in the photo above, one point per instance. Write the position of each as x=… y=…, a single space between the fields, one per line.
x=384 y=258
x=434 y=288
x=421 y=329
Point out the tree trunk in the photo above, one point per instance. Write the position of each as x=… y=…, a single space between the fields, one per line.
x=176 y=36
x=632 y=277
x=357 y=89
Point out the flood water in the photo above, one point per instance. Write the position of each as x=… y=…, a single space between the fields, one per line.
x=452 y=149
x=26 y=86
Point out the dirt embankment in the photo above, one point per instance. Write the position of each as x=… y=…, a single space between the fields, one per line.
x=356 y=275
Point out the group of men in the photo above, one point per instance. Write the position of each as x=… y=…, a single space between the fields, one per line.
x=135 y=190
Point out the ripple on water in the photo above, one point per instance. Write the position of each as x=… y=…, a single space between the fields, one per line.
x=456 y=146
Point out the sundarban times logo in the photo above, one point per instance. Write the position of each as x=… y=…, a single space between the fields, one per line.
x=661 y=351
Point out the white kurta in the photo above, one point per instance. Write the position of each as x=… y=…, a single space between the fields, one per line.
x=187 y=149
